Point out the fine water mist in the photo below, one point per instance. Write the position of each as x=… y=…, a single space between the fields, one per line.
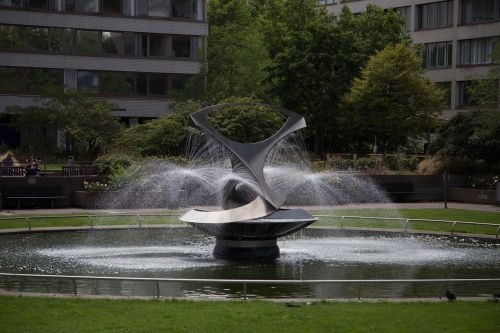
x=161 y=183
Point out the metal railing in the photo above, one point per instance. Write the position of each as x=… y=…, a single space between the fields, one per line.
x=243 y=282
x=404 y=222
x=91 y=218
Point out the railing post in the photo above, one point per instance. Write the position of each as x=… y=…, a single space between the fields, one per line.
x=75 y=288
x=342 y=222
x=157 y=289
x=29 y=223
x=453 y=227
x=359 y=290
x=498 y=231
x=245 y=291
x=91 y=221
x=140 y=221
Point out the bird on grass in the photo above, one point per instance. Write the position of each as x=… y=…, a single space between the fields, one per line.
x=450 y=296
x=292 y=305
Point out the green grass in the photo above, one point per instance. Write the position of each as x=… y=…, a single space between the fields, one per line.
x=39 y=314
x=450 y=214
x=73 y=220
x=431 y=213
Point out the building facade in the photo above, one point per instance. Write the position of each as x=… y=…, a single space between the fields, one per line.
x=135 y=53
x=457 y=37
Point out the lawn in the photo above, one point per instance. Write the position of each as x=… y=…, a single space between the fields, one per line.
x=450 y=214
x=40 y=314
x=77 y=220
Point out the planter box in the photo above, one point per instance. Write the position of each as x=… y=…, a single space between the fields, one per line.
x=84 y=199
x=471 y=195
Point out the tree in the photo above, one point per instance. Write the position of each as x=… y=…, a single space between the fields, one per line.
x=168 y=135
x=236 y=52
x=247 y=123
x=391 y=100
x=88 y=124
x=164 y=136
x=318 y=61
x=486 y=91
x=469 y=137
x=303 y=73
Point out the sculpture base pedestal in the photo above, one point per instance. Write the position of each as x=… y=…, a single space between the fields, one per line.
x=246 y=249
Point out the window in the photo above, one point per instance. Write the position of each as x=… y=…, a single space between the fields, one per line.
x=56 y=5
x=40 y=80
x=181 y=46
x=37 y=38
x=142 y=84
x=112 y=43
x=178 y=82
x=463 y=94
x=476 y=11
x=11 y=3
x=159 y=8
x=158 y=84
x=11 y=79
x=135 y=44
x=158 y=45
x=129 y=7
x=446 y=87
x=435 y=15
x=437 y=55
x=475 y=51
x=87 y=42
x=88 y=80
x=88 y=6
x=36 y=4
x=405 y=12
x=69 y=41
x=11 y=37
x=112 y=6
x=118 y=83
x=183 y=8
x=56 y=40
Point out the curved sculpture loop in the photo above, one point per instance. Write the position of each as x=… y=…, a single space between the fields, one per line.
x=261 y=220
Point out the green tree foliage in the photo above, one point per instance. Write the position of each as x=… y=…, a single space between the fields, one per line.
x=391 y=100
x=317 y=60
x=304 y=71
x=486 y=91
x=470 y=137
x=167 y=135
x=236 y=51
x=159 y=137
x=88 y=124
x=247 y=122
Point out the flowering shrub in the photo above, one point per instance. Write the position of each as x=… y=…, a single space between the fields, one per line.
x=483 y=182
x=95 y=186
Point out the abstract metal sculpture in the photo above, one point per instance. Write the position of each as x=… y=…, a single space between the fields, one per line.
x=251 y=230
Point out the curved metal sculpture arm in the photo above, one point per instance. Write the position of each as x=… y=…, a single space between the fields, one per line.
x=253 y=155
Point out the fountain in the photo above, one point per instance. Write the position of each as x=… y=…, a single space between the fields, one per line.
x=252 y=229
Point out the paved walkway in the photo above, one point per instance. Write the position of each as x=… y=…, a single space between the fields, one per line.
x=416 y=205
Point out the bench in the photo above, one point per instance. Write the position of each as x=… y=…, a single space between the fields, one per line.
x=82 y=170
x=13 y=171
x=32 y=193
x=398 y=191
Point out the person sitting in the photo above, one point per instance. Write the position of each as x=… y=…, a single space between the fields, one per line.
x=8 y=161
x=30 y=166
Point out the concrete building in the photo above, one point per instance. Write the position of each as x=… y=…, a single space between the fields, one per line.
x=457 y=37
x=135 y=53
